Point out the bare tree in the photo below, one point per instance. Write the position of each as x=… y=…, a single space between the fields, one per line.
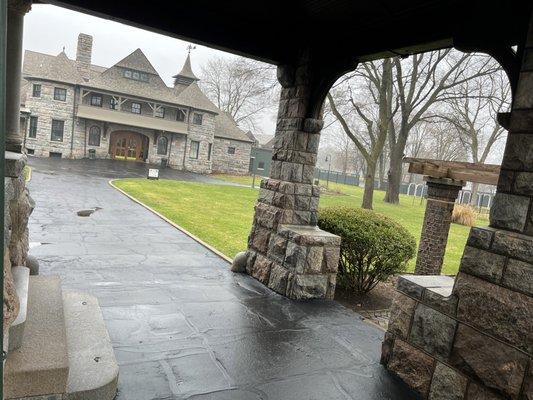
x=241 y=87
x=422 y=81
x=472 y=115
x=375 y=116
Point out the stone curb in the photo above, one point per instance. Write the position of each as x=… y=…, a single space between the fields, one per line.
x=185 y=231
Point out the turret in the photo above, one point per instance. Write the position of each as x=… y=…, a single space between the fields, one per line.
x=185 y=76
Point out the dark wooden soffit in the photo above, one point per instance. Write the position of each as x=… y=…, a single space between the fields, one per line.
x=459 y=171
x=273 y=30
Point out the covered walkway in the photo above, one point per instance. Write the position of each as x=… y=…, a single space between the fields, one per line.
x=182 y=325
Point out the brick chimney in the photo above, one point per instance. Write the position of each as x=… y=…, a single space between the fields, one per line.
x=83 y=54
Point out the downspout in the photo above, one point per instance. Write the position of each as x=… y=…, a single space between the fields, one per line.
x=3 y=25
x=74 y=109
x=170 y=148
x=27 y=128
x=85 y=139
x=187 y=135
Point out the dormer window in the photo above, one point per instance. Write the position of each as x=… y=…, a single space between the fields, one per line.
x=136 y=75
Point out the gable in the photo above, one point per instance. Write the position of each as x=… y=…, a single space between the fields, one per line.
x=138 y=62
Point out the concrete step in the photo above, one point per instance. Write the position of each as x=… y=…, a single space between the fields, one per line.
x=21 y=278
x=41 y=365
x=93 y=368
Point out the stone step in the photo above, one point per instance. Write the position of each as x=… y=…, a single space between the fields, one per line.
x=21 y=278
x=93 y=368
x=41 y=365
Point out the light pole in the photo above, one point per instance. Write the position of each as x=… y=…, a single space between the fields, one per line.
x=328 y=159
x=253 y=172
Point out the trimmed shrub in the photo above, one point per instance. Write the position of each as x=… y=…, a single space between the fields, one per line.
x=464 y=215
x=373 y=246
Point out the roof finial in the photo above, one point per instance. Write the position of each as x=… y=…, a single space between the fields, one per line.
x=189 y=48
x=63 y=49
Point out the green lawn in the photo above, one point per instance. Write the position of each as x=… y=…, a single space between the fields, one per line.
x=242 y=179
x=222 y=215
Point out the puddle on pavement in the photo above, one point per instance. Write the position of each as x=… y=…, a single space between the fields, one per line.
x=88 y=212
x=36 y=244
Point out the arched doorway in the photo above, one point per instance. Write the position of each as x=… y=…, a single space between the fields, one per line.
x=128 y=145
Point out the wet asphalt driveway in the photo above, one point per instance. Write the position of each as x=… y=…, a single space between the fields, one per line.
x=182 y=325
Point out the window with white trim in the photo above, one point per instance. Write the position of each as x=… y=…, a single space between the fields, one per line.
x=136 y=108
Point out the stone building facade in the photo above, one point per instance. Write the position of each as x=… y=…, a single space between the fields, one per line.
x=74 y=109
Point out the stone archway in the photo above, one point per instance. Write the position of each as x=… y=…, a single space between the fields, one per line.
x=128 y=146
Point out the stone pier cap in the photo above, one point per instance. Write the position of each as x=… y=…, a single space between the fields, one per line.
x=309 y=235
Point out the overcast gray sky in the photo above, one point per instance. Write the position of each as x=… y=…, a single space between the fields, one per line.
x=48 y=28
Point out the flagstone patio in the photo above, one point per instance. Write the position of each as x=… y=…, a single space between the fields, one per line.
x=182 y=325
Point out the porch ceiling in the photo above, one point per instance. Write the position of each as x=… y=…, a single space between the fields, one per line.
x=272 y=30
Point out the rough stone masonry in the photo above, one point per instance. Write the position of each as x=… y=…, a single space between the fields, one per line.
x=286 y=250
x=472 y=338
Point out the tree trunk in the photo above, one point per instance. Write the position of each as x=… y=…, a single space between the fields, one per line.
x=381 y=172
x=474 y=194
x=395 y=167
x=392 y=195
x=368 y=195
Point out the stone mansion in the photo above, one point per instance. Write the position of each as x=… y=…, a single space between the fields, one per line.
x=75 y=109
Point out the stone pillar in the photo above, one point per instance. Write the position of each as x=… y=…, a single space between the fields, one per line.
x=472 y=337
x=286 y=250
x=15 y=25
x=512 y=206
x=442 y=194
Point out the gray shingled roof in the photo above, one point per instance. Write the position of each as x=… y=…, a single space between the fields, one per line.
x=55 y=68
x=225 y=127
x=62 y=69
x=186 y=71
x=137 y=61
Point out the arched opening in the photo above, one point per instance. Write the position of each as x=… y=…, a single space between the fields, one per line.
x=162 y=146
x=129 y=146
x=94 y=135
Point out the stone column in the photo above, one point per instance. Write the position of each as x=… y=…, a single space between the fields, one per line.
x=512 y=206
x=471 y=338
x=15 y=25
x=286 y=250
x=442 y=194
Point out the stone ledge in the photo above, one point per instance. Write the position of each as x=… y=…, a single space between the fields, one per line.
x=15 y=163
x=309 y=235
x=415 y=285
x=21 y=277
x=93 y=368
x=40 y=366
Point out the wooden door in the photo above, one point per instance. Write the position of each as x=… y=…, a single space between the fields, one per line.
x=127 y=146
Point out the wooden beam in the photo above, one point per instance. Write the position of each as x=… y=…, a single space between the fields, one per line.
x=460 y=171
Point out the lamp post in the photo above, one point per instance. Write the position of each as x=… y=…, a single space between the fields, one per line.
x=253 y=172
x=328 y=159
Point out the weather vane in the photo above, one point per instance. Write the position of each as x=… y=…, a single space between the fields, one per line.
x=190 y=47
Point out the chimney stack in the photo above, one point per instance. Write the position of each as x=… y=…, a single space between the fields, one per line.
x=83 y=54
